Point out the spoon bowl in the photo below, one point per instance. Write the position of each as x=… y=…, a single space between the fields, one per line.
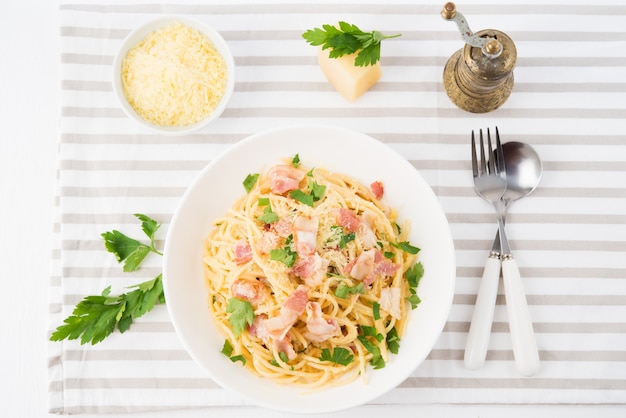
x=523 y=170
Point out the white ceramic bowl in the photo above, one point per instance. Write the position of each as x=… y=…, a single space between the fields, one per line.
x=143 y=31
x=215 y=190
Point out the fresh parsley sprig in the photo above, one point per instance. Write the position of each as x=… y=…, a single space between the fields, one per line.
x=95 y=317
x=348 y=39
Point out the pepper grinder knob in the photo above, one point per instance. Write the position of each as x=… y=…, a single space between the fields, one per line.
x=479 y=77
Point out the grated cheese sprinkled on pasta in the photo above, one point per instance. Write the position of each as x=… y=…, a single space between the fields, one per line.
x=174 y=77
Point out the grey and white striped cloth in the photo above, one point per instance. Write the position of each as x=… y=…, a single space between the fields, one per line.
x=569 y=237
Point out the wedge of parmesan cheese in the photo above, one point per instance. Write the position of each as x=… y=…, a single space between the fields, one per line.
x=349 y=80
x=174 y=77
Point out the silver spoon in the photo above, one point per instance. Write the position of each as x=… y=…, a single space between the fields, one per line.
x=523 y=173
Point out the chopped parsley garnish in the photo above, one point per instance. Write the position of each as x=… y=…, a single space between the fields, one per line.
x=406 y=247
x=250 y=181
x=282 y=356
x=377 y=360
x=227 y=350
x=241 y=315
x=344 y=290
x=413 y=275
x=295 y=161
x=315 y=193
x=268 y=216
x=301 y=197
x=376 y=310
x=393 y=341
x=339 y=355
x=371 y=332
x=339 y=237
x=285 y=255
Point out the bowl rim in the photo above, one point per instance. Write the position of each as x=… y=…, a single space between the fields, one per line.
x=426 y=343
x=143 y=30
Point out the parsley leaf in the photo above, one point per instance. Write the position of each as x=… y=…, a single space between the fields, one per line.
x=283 y=357
x=129 y=250
x=348 y=39
x=344 y=290
x=250 y=181
x=413 y=275
x=227 y=350
x=406 y=247
x=285 y=255
x=301 y=197
x=315 y=192
x=377 y=359
x=295 y=161
x=393 y=340
x=413 y=299
x=241 y=315
x=376 y=310
x=268 y=216
x=371 y=332
x=340 y=355
x=339 y=237
x=95 y=317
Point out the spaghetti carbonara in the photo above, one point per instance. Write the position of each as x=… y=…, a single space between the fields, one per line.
x=310 y=278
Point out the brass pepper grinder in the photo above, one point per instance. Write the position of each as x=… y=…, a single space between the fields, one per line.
x=479 y=77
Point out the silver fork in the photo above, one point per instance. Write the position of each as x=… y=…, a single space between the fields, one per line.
x=490 y=184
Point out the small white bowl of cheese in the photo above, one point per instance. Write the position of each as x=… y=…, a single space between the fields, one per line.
x=173 y=75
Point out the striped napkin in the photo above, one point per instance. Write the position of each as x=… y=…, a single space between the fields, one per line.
x=569 y=236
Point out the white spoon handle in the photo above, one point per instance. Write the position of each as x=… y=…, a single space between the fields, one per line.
x=482 y=318
x=520 y=324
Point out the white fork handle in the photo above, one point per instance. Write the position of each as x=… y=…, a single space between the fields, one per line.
x=482 y=318
x=520 y=324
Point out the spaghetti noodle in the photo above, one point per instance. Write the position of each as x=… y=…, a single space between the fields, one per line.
x=309 y=276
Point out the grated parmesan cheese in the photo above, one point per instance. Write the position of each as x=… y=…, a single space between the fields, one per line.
x=174 y=77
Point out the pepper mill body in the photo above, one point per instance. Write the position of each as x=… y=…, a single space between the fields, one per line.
x=475 y=79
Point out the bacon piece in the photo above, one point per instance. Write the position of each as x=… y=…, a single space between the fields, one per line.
x=251 y=290
x=242 y=252
x=318 y=328
x=363 y=267
x=284 y=345
x=366 y=229
x=268 y=241
x=378 y=189
x=347 y=219
x=292 y=308
x=284 y=226
x=369 y=265
x=284 y=178
x=259 y=329
x=311 y=268
x=305 y=235
x=386 y=268
x=390 y=299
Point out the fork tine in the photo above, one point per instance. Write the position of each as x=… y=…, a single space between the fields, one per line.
x=499 y=153
x=490 y=160
x=483 y=165
x=474 y=160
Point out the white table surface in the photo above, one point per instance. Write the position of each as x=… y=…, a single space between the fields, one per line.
x=29 y=115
